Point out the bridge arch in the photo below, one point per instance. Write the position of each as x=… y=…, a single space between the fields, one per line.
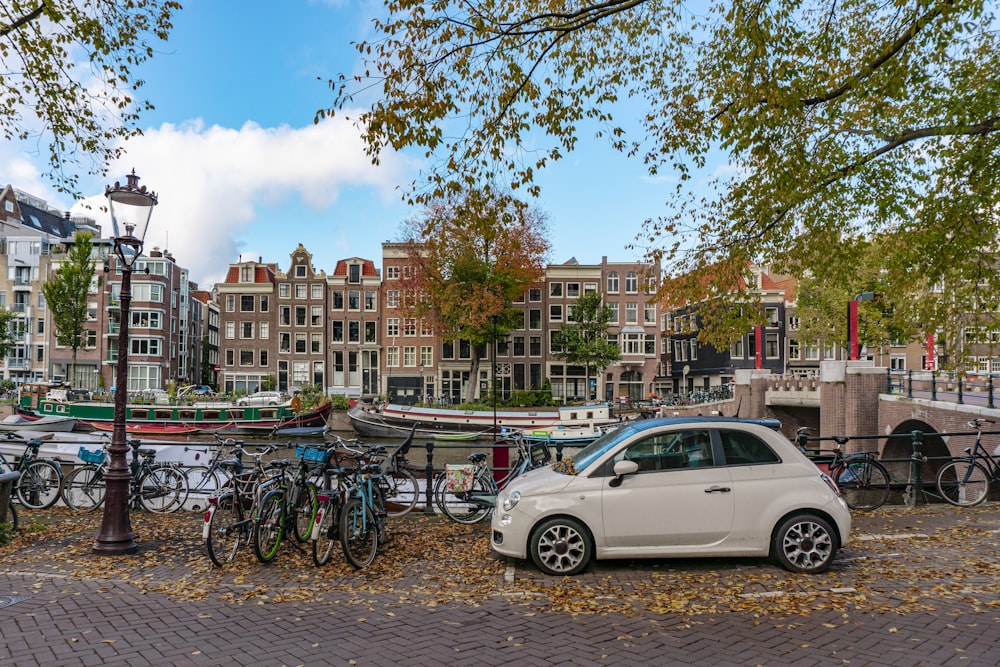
x=898 y=449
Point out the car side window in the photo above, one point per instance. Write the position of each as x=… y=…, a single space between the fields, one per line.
x=743 y=448
x=670 y=451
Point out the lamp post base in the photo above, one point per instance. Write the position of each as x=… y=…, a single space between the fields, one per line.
x=115 y=537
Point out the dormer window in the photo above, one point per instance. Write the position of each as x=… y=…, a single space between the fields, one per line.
x=300 y=271
x=354 y=273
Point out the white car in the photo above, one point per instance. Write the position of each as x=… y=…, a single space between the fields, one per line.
x=261 y=398
x=687 y=486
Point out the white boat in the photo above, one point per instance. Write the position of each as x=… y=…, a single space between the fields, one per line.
x=49 y=423
x=65 y=447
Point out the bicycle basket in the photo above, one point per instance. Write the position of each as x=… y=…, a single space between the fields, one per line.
x=539 y=453
x=312 y=454
x=87 y=456
x=458 y=477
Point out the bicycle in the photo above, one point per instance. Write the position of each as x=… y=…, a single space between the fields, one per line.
x=363 y=517
x=965 y=481
x=287 y=508
x=864 y=483
x=331 y=498
x=467 y=494
x=229 y=524
x=155 y=487
x=41 y=480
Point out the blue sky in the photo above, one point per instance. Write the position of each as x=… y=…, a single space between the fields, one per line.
x=239 y=166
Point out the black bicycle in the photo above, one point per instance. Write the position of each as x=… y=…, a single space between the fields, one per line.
x=41 y=479
x=864 y=483
x=965 y=481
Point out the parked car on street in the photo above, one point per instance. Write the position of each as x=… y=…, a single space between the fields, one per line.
x=682 y=486
x=261 y=398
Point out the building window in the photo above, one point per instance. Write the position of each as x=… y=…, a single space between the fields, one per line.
x=410 y=326
x=613 y=282
x=316 y=316
x=284 y=291
x=230 y=357
x=354 y=300
x=649 y=313
x=589 y=288
x=336 y=300
x=285 y=315
x=317 y=291
x=572 y=290
x=354 y=331
x=534 y=319
x=246 y=357
x=794 y=351
x=370 y=332
x=263 y=358
x=230 y=303
x=316 y=343
x=426 y=356
x=534 y=294
x=284 y=342
x=613 y=310
x=392 y=298
x=300 y=316
x=555 y=313
x=369 y=300
x=230 y=330
x=392 y=273
x=392 y=356
x=771 y=346
x=300 y=343
x=410 y=355
x=300 y=292
x=631 y=283
x=265 y=330
x=246 y=330
x=264 y=303
x=354 y=273
x=555 y=289
x=631 y=313
x=535 y=346
x=300 y=271
x=392 y=327
x=246 y=303
x=337 y=332
x=737 y=350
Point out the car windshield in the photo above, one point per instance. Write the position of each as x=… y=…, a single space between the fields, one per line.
x=583 y=458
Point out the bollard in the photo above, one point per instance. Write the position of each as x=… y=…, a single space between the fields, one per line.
x=429 y=470
x=909 y=383
x=559 y=448
x=933 y=385
x=916 y=483
x=960 y=401
x=989 y=401
x=7 y=480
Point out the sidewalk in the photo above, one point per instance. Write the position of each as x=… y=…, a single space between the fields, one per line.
x=916 y=586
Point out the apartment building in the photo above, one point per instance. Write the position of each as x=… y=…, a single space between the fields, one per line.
x=354 y=318
x=248 y=340
x=209 y=353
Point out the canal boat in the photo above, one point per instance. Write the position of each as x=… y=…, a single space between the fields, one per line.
x=41 y=400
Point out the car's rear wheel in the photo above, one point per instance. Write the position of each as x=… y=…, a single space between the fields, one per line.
x=805 y=543
x=561 y=547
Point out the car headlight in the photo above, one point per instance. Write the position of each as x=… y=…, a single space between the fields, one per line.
x=510 y=501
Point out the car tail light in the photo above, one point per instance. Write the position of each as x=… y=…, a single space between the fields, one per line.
x=829 y=482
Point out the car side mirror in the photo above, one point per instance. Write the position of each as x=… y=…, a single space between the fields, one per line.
x=621 y=469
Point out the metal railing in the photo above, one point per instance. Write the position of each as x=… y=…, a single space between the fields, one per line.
x=943 y=386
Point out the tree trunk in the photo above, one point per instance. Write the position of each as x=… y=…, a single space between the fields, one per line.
x=71 y=380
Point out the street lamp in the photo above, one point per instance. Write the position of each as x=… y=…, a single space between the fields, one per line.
x=131 y=207
x=493 y=358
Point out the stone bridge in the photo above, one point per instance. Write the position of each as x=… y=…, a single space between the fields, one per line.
x=851 y=398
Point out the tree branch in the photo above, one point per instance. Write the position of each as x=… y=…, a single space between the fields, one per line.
x=24 y=20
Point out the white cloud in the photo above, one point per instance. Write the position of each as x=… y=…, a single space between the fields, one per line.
x=212 y=180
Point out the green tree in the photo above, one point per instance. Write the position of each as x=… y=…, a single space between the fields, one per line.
x=473 y=253
x=584 y=341
x=90 y=109
x=839 y=121
x=7 y=334
x=67 y=294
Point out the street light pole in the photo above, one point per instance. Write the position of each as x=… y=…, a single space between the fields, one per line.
x=132 y=206
x=493 y=359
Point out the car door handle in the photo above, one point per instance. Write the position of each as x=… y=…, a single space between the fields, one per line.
x=718 y=489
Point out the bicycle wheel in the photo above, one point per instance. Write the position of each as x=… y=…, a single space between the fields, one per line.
x=163 y=489
x=864 y=484
x=460 y=507
x=358 y=533
x=270 y=526
x=39 y=484
x=326 y=535
x=304 y=507
x=224 y=530
x=401 y=492
x=964 y=483
x=83 y=489
x=202 y=482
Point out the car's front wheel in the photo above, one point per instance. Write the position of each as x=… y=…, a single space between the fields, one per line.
x=805 y=543
x=561 y=546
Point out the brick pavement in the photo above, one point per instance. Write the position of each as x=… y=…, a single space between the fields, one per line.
x=920 y=588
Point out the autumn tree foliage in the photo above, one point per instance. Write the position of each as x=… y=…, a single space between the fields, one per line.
x=584 y=341
x=472 y=254
x=68 y=75
x=833 y=121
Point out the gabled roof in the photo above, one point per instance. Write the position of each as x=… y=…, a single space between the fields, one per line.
x=263 y=273
x=368 y=269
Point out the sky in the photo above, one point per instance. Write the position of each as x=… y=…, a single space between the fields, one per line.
x=241 y=170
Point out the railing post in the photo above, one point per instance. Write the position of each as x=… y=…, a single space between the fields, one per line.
x=429 y=470
x=933 y=385
x=989 y=401
x=559 y=448
x=909 y=383
x=888 y=380
x=960 y=401
x=915 y=488
x=7 y=480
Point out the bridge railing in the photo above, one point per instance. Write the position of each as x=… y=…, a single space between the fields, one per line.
x=944 y=386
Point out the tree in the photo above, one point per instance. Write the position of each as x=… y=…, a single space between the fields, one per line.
x=7 y=337
x=87 y=109
x=584 y=341
x=67 y=296
x=840 y=121
x=473 y=253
